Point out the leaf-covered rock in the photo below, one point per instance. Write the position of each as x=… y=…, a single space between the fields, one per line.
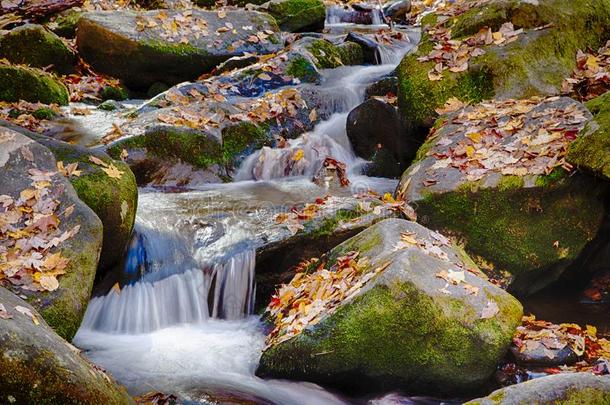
x=495 y=177
x=182 y=44
x=534 y=62
x=419 y=316
x=50 y=251
x=114 y=199
x=569 y=388
x=31 y=84
x=39 y=367
x=36 y=46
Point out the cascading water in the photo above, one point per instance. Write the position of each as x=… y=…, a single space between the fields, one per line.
x=182 y=322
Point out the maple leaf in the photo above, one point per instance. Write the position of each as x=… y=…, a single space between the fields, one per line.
x=113 y=172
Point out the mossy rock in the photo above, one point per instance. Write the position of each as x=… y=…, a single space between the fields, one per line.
x=400 y=330
x=297 y=15
x=112 y=44
x=535 y=64
x=591 y=151
x=65 y=23
x=36 y=46
x=114 y=201
x=63 y=309
x=565 y=389
x=534 y=227
x=39 y=367
x=31 y=84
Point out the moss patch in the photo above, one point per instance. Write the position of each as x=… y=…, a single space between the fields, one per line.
x=516 y=228
x=29 y=84
x=298 y=15
x=591 y=151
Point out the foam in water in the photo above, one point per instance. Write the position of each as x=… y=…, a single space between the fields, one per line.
x=178 y=299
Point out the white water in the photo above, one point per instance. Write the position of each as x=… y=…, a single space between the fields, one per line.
x=184 y=327
x=346 y=87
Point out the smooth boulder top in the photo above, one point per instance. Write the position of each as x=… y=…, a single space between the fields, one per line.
x=143 y=48
x=461 y=149
x=39 y=367
x=568 y=388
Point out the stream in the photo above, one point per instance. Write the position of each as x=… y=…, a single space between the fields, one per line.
x=183 y=321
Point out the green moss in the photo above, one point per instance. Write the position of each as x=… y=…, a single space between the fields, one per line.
x=510 y=183
x=556 y=175
x=67 y=22
x=298 y=15
x=329 y=225
x=44 y=113
x=591 y=150
x=585 y=396
x=29 y=84
x=515 y=229
x=175 y=49
x=326 y=54
x=114 y=93
x=302 y=69
x=241 y=138
x=351 y=53
x=35 y=46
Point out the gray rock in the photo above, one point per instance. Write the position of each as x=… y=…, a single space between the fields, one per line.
x=64 y=307
x=568 y=388
x=113 y=43
x=39 y=367
x=406 y=327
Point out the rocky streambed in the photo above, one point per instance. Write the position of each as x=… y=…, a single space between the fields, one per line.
x=304 y=202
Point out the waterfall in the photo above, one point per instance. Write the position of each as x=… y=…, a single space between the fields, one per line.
x=224 y=290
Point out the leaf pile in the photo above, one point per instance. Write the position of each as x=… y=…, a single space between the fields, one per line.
x=28 y=115
x=454 y=55
x=591 y=77
x=512 y=137
x=368 y=203
x=311 y=296
x=30 y=234
x=593 y=351
x=88 y=87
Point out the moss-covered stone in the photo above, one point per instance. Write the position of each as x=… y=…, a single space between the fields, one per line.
x=591 y=150
x=241 y=139
x=536 y=64
x=111 y=43
x=39 y=367
x=297 y=15
x=36 y=46
x=66 y=22
x=561 y=389
x=400 y=330
x=113 y=200
x=30 y=84
x=114 y=93
x=63 y=308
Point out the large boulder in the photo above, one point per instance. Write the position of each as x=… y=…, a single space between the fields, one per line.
x=30 y=84
x=143 y=48
x=39 y=367
x=297 y=15
x=111 y=194
x=591 y=152
x=512 y=65
x=50 y=240
x=568 y=388
x=377 y=133
x=494 y=177
x=405 y=310
x=36 y=46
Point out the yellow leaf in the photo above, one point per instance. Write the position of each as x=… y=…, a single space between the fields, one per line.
x=97 y=161
x=469 y=151
x=113 y=172
x=475 y=136
x=298 y=155
x=49 y=283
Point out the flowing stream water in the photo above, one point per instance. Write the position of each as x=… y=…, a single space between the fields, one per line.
x=183 y=322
